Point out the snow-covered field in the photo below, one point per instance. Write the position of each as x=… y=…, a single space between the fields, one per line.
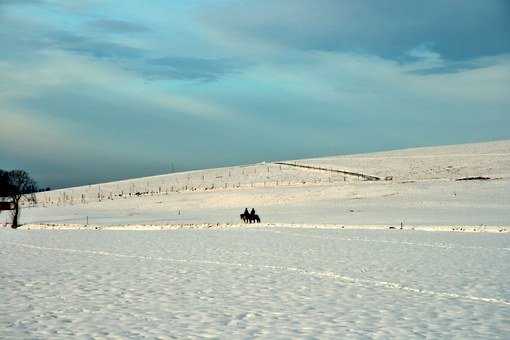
x=254 y=282
x=423 y=191
x=166 y=257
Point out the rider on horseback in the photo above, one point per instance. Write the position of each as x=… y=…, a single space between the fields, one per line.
x=250 y=217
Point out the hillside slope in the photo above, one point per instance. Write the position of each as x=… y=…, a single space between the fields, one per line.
x=418 y=186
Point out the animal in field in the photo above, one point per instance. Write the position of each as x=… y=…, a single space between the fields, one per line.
x=249 y=218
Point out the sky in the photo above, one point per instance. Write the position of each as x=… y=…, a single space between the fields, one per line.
x=100 y=90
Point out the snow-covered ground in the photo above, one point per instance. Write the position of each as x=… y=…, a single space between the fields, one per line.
x=444 y=162
x=166 y=257
x=254 y=282
x=423 y=191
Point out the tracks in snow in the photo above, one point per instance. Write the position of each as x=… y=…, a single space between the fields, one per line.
x=406 y=243
x=301 y=271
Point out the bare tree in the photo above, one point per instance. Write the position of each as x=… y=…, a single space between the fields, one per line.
x=17 y=185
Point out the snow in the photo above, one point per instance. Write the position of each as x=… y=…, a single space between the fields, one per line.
x=424 y=192
x=167 y=257
x=445 y=162
x=254 y=282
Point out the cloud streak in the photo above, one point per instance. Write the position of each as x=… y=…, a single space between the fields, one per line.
x=116 y=26
x=458 y=29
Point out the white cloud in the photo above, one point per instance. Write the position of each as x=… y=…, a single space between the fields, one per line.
x=426 y=58
x=59 y=69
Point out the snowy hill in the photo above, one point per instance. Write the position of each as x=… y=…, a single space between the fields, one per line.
x=443 y=162
x=417 y=186
x=310 y=270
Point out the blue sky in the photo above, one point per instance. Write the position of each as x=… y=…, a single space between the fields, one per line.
x=100 y=90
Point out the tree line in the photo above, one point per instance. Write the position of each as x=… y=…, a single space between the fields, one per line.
x=16 y=185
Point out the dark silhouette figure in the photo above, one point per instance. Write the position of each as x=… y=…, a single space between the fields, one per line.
x=250 y=217
x=245 y=215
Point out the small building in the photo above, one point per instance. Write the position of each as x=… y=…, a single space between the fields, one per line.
x=6 y=205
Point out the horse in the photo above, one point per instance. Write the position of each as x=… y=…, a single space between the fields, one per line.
x=249 y=218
